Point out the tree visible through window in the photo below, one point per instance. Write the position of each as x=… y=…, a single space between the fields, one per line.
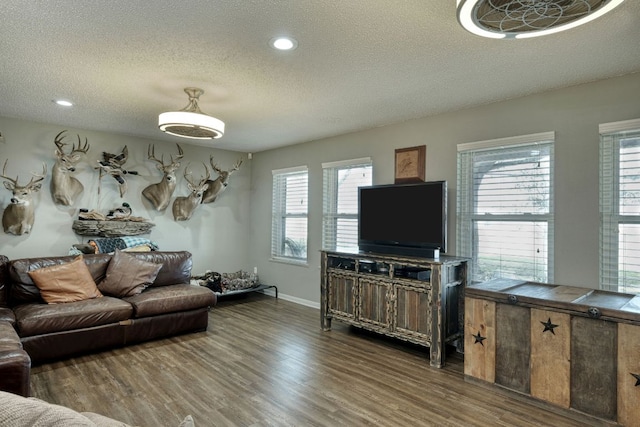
x=505 y=210
x=289 y=214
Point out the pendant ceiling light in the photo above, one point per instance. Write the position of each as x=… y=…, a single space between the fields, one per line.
x=518 y=19
x=190 y=122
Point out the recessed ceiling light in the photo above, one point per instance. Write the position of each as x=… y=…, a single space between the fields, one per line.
x=63 y=102
x=283 y=43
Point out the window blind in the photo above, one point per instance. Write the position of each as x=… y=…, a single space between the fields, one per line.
x=289 y=214
x=505 y=209
x=341 y=181
x=620 y=207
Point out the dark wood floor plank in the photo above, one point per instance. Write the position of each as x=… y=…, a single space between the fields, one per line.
x=266 y=362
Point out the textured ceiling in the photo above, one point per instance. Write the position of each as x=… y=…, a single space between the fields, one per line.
x=360 y=63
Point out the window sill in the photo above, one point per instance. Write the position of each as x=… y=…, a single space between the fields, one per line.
x=289 y=261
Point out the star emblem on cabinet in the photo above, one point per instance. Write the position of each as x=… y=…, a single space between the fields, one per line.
x=637 y=377
x=479 y=338
x=548 y=326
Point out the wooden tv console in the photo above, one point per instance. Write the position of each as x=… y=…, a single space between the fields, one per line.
x=417 y=300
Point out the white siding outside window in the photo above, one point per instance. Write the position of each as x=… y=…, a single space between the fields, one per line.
x=620 y=206
x=505 y=207
x=341 y=181
x=289 y=214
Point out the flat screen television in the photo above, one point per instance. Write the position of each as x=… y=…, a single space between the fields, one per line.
x=403 y=219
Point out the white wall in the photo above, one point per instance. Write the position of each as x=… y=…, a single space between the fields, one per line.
x=573 y=113
x=216 y=235
x=234 y=232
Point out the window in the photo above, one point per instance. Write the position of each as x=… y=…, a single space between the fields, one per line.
x=505 y=207
x=340 y=202
x=620 y=206
x=289 y=214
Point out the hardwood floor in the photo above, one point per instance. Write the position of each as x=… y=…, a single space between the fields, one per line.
x=266 y=362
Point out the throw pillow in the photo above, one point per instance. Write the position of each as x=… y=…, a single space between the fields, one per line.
x=128 y=275
x=67 y=282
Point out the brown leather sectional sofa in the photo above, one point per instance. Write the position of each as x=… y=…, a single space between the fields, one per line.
x=32 y=331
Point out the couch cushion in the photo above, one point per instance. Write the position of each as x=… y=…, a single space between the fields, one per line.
x=37 y=319
x=127 y=275
x=8 y=336
x=169 y=299
x=6 y=315
x=66 y=282
x=176 y=266
x=22 y=289
x=4 y=279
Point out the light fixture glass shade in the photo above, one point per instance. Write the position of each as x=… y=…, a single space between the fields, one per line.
x=190 y=122
x=527 y=18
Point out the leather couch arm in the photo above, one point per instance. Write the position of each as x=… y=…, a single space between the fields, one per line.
x=15 y=363
x=15 y=369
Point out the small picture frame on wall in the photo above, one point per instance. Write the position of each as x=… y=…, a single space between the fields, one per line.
x=410 y=164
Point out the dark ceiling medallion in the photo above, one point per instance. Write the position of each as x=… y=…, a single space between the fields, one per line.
x=548 y=326
x=479 y=338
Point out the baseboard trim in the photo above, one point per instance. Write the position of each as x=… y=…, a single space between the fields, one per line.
x=290 y=298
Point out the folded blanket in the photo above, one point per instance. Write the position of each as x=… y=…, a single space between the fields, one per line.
x=132 y=241
x=109 y=245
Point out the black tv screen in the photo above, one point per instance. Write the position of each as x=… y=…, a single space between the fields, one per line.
x=408 y=219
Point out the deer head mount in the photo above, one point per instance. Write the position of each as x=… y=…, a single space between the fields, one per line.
x=19 y=215
x=113 y=164
x=160 y=193
x=183 y=207
x=218 y=185
x=65 y=188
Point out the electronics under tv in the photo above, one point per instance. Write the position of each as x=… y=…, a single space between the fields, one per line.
x=403 y=219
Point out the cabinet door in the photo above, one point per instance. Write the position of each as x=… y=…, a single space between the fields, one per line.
x=374 y=302
x=413 y=312
x=343 y=290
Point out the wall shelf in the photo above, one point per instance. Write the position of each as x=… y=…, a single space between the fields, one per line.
x=112 y=228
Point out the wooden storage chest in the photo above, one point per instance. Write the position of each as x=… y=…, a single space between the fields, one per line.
x=572 y=347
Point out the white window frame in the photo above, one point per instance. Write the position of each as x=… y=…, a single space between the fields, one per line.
x=279 y=215
x=331 y=236
x=466 y=238
x=613 y=275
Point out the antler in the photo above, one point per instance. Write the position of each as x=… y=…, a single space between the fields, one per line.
x=58 y=141
x=214 y=166
x=39 y=177
x=180 y=154
x=206 y=178
x=81 y=148
x=31 y=183
x=187 y=174
x=14 y=181
x=236 y=166
x=220 y=171
x=151 y=154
